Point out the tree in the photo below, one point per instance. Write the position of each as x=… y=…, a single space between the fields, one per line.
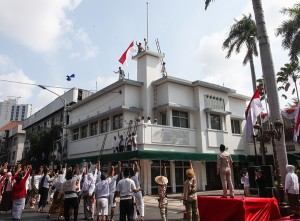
x=243 y=32
x=41 y=145
x=269 y=77
x=290 y=31
x=290 y=70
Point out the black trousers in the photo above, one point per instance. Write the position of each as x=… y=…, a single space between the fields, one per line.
x=126 y=210
x=68 y=204
x=44 y=195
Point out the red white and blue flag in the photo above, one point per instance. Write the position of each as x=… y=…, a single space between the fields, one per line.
x=252 y=112
x=125 y=55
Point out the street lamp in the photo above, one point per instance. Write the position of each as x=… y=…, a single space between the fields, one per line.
x=275 y=132
x=66 y=104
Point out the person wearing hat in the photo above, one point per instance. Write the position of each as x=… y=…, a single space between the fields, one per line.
x=224 y=164
x=162 y=181
x=292 y=191
x=190 y=195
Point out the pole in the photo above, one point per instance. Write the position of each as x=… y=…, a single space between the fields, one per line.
x=147 y=25
x=255 y=151
x=64 y=130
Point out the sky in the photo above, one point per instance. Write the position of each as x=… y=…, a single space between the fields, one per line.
x=43 y=41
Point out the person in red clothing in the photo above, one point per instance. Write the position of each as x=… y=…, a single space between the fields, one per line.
x=19 y=194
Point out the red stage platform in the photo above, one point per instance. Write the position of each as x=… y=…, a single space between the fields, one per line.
x=214 y=208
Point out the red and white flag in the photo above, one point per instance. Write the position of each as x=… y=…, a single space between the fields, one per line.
x=297 y=124
x=125 y=55
x=252 y=112
x=289 y=113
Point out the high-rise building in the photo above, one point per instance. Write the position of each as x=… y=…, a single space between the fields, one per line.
x=10 y=110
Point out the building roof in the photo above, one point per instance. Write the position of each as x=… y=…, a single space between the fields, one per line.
x=10 y=125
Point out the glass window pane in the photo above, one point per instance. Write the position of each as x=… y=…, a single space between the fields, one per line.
x=215 y=122
x=176 y=122
x=184 y=123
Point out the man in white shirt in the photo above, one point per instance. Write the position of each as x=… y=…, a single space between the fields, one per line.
x=138 y=195
x=101 y=195
x=115 y=144
x=112 y=179
x=292 y=191
x=125 y=189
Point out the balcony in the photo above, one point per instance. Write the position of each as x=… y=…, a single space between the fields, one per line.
x=149 y=137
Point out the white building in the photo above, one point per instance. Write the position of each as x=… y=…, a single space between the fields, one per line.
x=194 y=118
x=52 y=114
x=14 y=142
x=10 y=110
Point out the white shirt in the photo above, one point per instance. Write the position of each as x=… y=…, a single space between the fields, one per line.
x=115 y=143
x=69 y=185
x=112 y=184
x=135 y=178
x=102 y=189
x=245 y=180
x=125 y=187
x=292 y=183
x=46 y=181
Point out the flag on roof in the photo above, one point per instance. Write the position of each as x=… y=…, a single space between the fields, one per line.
x=252 y=112
x=125 y=55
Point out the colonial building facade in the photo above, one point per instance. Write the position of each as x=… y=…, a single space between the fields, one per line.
x=189 y=121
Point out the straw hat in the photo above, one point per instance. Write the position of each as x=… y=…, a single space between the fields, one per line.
x=190 y=173
x=161 y=180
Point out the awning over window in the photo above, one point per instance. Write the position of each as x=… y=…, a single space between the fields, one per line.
x=155 y=155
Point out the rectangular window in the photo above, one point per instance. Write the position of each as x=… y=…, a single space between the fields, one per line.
x=215 y=122
x=104 y=125
x=163 y=117
x=76 y=134
x=236 y=126
x=13 y=155
x=84 y=131
x=117 y=121
x=94 y=128
x=180 y=119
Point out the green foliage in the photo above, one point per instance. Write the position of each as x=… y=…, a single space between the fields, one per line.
x=41 y=142
x=290 y=72
x=290 y=31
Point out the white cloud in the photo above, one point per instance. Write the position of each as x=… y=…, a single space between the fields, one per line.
x=23 y=91
x=37 y=24
x=90 y=51
x=45 y=97
x=103 y=81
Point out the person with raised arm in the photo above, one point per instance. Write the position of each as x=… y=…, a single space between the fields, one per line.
x=138 y=195
x=19 y=194
x=112 y=179
x=189 y=194
x=125 y=189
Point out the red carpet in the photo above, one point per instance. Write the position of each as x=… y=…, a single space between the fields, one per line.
x=214 y=208
x=286 y=219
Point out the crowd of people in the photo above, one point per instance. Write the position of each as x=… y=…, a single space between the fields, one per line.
x=65 y=187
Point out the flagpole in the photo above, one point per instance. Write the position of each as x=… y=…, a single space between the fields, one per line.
x=147 y=26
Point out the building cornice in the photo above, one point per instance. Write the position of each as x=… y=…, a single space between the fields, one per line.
x=106 y=113
x=175 y=106
x=108 y=89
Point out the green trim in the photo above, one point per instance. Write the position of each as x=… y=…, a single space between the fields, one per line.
x=155 y=155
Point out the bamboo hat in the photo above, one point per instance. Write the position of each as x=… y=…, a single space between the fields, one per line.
x=161 y=180
x=190 y=173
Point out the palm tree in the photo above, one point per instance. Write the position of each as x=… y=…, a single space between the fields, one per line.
x=269 y=77
x=243 y=32
x=290 y=70
x=290 y=32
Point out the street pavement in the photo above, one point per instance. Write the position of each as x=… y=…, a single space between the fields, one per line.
x=175 y=209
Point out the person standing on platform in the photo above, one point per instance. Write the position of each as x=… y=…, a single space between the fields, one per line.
x=162 y=181
x=121 y=73
x=224 y=164
x=292 y=191
x=190 y=195
x=245 y=182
